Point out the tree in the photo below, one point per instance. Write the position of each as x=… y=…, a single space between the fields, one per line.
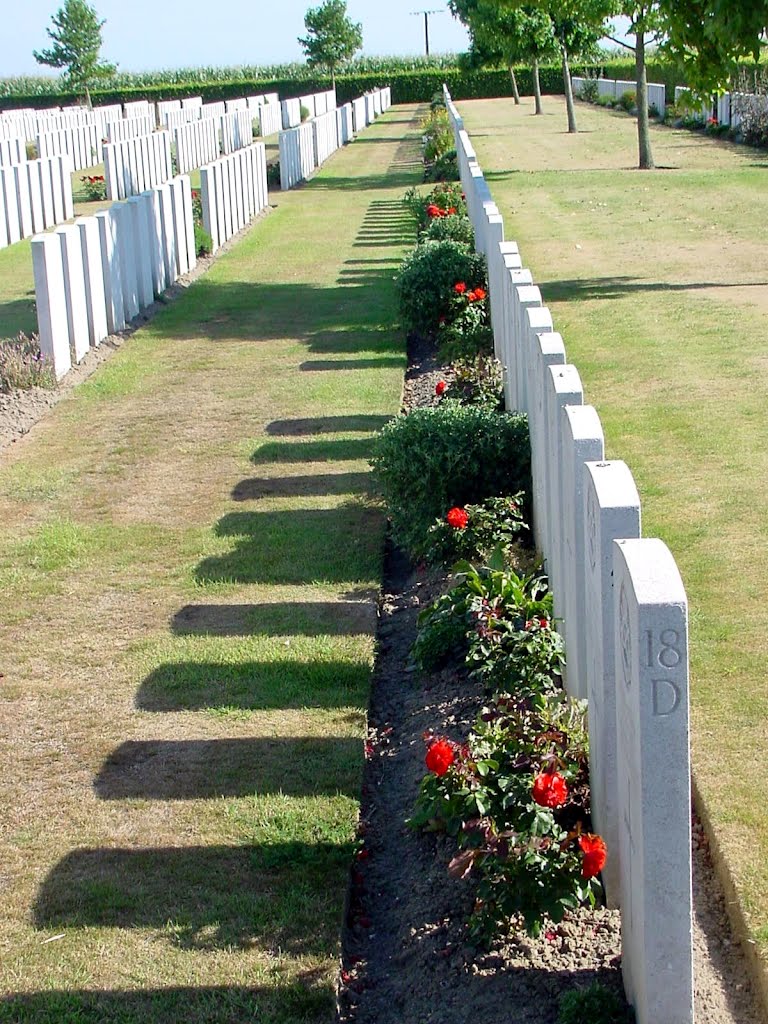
x=709 y=36
x=511 y=36
x=76 y=36
x=332 y=38
x=644 y=20
x=578 y=25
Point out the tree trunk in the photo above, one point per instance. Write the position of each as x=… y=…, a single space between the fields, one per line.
x=538 y=109
x=643 y=131
x=570 y=108
x=88 y=103
x=515 y=91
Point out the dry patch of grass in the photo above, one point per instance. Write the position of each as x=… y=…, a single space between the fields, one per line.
x=657 y=282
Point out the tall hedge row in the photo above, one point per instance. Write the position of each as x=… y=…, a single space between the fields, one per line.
x=407 y=87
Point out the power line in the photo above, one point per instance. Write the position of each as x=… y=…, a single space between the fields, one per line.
x=426 y=26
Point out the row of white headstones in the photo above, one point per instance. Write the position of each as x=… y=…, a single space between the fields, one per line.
x=94 y=276
x=305 y=147
x=622 y=609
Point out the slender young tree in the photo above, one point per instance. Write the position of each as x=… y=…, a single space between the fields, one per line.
x=645 y=25
x=332 y=38
x=76 y=36
x=577 y=25
x=511 y=36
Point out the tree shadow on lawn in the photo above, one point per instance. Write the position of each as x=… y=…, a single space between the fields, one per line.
x=282 y=896
x=255 y=685
x=279 y=618
x=232 y=767
x=613 y=287
x=338 y=545
x=304 y=1000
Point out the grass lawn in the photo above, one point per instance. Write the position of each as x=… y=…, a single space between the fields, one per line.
x=657 y=281
x=189 y=563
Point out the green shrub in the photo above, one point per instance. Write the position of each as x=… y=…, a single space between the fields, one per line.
x=273 y=174
x=477 y=381
x=466 y=333
x=304 y=113
x=445 y=168
x=596 y=1004
x=203 y=241
x=491 y=524
x=455 y=229
x=426 y=280
x=22 y=364
x=605 y=101
x=628 y=100
x=588 y=91
x=445 y=196
x=449 y=455
x=437 y=134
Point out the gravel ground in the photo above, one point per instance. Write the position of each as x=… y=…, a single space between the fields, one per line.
x=406 y=958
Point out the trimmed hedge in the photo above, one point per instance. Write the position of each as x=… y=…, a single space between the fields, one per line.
x=407 y=87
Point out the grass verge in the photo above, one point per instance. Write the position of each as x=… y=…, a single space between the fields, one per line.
x=189 y=560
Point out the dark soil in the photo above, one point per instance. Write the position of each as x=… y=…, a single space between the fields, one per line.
x=406 y=957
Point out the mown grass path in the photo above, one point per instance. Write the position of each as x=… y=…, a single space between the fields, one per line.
x=189 y=560
x=657 y=281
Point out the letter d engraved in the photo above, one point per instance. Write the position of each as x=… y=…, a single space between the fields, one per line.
x=665 y=697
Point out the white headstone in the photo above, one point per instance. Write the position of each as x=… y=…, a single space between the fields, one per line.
x=50 y=299
x=93 y=277
x=582 y=441
x=611 y=512
x=137 y=206
x=74 y=287
x=654 y=781
x=111 y=271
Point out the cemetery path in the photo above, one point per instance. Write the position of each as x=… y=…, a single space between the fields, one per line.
x=189 y=563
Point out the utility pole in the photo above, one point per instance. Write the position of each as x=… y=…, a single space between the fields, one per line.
x=426 y=26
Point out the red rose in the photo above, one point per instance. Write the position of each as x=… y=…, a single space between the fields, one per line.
x=479 y=293
x=439 y=757
x=549 y=789
x=440 y=387
x=459 y=287
x=544 y=623
x=451 y=209
x=433 y=211
x=457 y=518
x=595 y=853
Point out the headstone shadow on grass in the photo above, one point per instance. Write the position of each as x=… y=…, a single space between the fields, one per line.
x=253 y=685
x=203 y=897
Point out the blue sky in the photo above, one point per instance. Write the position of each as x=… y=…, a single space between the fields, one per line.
x=142 y=35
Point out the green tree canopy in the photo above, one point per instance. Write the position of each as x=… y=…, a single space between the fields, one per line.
x=76 y=36
x=709 y=36
x=332 y=38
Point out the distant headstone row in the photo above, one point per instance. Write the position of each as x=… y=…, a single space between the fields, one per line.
x=94 y=276
x=34 y=195
x=616 y=87
x=305 y=147
x=622 y=609
x=233 y=190
x=136 y=164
